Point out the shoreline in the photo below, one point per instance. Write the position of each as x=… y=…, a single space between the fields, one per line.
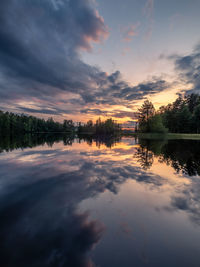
x=167 y=136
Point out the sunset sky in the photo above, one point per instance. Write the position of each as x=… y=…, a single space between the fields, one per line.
x=81 y=59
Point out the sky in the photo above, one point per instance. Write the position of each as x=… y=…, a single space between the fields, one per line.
x=84 y=59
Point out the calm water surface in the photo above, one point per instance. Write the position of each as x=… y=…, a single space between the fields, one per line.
x=114 y=203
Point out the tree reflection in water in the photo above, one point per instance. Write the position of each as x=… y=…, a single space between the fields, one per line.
x=10 y=143
x=182 y=155
x=145 y=157
x=42 y=190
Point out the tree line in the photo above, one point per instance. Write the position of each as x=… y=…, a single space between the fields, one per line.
x=181 y=116
x=12 y=124
x=108 y=127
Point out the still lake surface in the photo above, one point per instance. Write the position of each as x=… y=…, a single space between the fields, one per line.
x=104 y=203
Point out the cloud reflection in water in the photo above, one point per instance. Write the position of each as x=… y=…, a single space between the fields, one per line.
x=43 y=187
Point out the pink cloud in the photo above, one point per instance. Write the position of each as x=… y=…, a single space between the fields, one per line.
x=129 y=32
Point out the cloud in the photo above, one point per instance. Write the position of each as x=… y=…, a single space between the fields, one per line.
x=93 y=111
x=124 y=114
x=188 y=68
x=116 y=91
x=40 y=58
x=129 y=32
x=57 y=4
x=141 y=90
x=114 y=113
x=41 y=111
x=48 y=111
x=39 y=47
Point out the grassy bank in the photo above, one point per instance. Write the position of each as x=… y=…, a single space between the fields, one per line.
x=168 y=136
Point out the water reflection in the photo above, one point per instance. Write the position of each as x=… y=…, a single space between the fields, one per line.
x=183 y=156
x=68 y=201
x=10 y=143
x=40 y=227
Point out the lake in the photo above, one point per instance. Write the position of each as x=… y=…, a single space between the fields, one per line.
x=87 y=202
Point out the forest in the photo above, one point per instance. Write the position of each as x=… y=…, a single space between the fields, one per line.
x=14 y=124
x=108 y=127
x=181 y=116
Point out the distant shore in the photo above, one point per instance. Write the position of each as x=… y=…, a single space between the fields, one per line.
x=159 y=136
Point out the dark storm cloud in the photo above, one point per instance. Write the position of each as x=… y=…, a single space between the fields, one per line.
x=142 y=89
x=188 y=67
x=114 y=90
x=41 y=111
x=40 y=44
x=55 y=111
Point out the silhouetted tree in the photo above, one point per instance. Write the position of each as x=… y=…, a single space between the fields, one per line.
x=149 y=121
x=182 y=116
x=146 y=111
